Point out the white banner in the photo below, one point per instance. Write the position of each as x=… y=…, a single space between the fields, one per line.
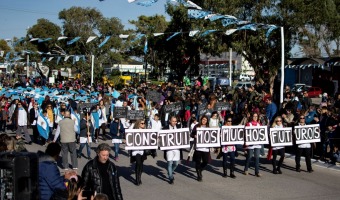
x=256 y=135
x=174 y=139
x=307 y=133
x=232 y=135
x=281 y=137
x=208 y=137
x=140 y=139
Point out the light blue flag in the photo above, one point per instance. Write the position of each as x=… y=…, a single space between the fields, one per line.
x=197 y=14
x=18 y=41
x=139 y=36
x=228 y=21
x=248 y=27
x=207 y=32
x=169 y=38
x=104 y=41
x=270 y=29
x=58 y=60
x=95 y=117
x=147 y=3
x=7 y=55
x=115 y=94
x=73 y=40
x=43 y=59
x=43 y=126
x=146 y=46
x=44 y=40
x=77 y=117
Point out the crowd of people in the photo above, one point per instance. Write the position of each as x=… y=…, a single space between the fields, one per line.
x=63 y=125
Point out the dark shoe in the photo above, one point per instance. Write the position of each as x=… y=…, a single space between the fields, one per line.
x=274 y=172
x=279 y=171
x=311 y=171
x=29 y=143
x=232 y=175
x=171 y=181
x=224 y=173
x=78 y=156
x=89 y=158
x=298 y=169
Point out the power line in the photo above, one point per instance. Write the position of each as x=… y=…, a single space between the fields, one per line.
x=28 y=11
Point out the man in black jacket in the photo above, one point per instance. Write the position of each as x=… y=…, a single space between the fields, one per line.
x=100 y=174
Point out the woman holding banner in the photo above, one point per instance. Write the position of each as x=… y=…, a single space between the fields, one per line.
x=303 y=148
x=278 y=150
x=229 y=150
x=253 y=149
x=138 y=156
x=200 y=154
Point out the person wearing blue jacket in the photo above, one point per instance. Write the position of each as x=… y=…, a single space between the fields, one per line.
x=117 y=132
x=50 y=180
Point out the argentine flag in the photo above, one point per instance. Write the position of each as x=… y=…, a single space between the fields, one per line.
x=43 y=126
x=76 y=118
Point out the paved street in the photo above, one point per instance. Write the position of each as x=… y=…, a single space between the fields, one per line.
x=323 y=183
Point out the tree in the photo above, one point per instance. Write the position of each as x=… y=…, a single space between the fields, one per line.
x=4 y=47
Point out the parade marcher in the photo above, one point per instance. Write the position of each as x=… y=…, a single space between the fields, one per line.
x=66 y=129
x=95 y=119
x=117 y=132
x=229 y=150
x=100 y=174
x=86 y=128
x=138 y=156
x=20 y=114
x=277 y=150
x=102 y=118
x=201 y=155
x=50 y=115
x=253 y=149
x=3 y=118
x=172 y=156
x=34 y=113
x=303 y=148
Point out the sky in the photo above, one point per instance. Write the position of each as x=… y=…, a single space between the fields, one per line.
x=17 y=15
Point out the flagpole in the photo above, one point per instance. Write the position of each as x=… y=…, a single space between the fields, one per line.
x=282 y=64
x=230 y=65
x=92 y=66
x=27 y=67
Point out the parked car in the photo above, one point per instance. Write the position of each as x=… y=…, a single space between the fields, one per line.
x=314 y=92
x=245 y=77
x=245 y=85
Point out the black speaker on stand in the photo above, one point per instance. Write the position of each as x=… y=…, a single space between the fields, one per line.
x=19 y=177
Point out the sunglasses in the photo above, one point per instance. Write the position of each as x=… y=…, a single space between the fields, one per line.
x=278 y=120
x=302 y=118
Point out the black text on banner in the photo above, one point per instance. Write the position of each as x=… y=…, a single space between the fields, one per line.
x=232 y=135
x=139 y=139
x=256 y=135
x=281 y=137
x=174 y=139
x=307 y=133
x=208 y=137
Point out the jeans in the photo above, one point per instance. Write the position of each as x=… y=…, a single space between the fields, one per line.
x=250 y=153
x=172 y=165
x=72 y=148
x=116 y=149
x=3 y=125
x=231 y=155
x=23 y=129
x=82 y=145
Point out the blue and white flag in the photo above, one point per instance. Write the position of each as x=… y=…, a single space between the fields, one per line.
x=73 y=40
x=248 y=27
x=44 y=40
x=228 y=21
x=43 y=126
x=58 y=60
x=146 y=46
x=207 y=32
x=197 y=14
x=18 y=41
x=270 y=29
x=193 y=33
x=95 y=119
x=173 y=35
x=104 y=41
x=76 y=118
x=147 y=3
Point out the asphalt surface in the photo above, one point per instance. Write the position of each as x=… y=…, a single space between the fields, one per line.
x=323 y=183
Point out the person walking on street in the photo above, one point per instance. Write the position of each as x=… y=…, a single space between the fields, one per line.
x=229 y=150
x=172 y=156
x=86 y=128
x=100 y=174
x=67 y=131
